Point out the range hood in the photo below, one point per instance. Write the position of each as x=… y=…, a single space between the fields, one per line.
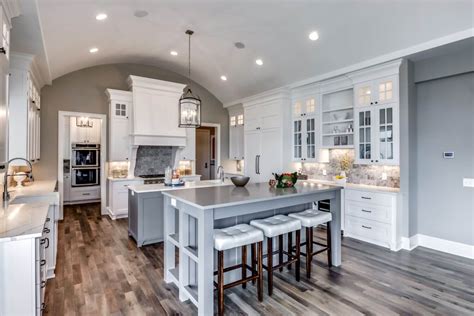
x=155 y=113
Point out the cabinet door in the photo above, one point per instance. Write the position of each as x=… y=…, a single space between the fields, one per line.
x=386 y=90
x=67 y=140
x=252 y=118
x=93 y=133
x=310 y=139
x=119 y=140
x=240 y=142
x=120 y=110
x=310 y=108
x=270 y=154
x=363 y=136
x=233 y=143
x=297 y=109
x=298 y=139
x=363 y=94
x=189 y=151
x=387 y=138
x=252 y=151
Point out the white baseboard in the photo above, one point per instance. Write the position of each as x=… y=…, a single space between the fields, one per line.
x=451 y=247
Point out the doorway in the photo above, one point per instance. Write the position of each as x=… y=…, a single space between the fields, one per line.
x=207 y=150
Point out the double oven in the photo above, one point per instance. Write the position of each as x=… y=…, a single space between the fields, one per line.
x=85 y=165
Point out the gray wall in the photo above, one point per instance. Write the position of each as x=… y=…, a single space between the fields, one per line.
x=83 y=91
x=445 y=116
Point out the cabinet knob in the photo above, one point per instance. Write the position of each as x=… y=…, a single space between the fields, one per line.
x=2 y=50
x=376 y=102
x=371 y=103
x=371 y=161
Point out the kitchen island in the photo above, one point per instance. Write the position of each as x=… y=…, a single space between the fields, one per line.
x=190 y=217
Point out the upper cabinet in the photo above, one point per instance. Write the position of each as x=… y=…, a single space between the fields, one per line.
x=155 y=116
x=305 y=106
x=236 y=133
x=24 y=108
x=377 y=125
x=120 y=105
x=85 y=134
x=188 y=152
x=376 y=92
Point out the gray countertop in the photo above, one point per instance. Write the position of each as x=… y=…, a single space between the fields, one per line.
x=224 y=196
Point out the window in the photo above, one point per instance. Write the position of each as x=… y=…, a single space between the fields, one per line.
x=120 y=109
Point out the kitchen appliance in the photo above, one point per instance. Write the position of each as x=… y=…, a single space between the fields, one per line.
x=81 y=177
x=153 y=178
x=85 y=155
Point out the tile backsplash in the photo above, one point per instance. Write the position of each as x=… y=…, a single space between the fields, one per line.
x=153 y=160
x=358 y=174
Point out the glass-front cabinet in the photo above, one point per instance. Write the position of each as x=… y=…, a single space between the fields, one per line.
x=376 y=92
x=377 y=135
x=305 y=128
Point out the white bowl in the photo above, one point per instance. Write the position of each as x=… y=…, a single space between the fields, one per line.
x=19 y=177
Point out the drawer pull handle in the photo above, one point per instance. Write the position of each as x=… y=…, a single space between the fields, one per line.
x=43 y=262
x=43 y=306
x=366 y=227
x=366 y=211
x=45 y=241
x=366 y=198
x=43 y=284
x=48 y=219
x=46 y=230
x=86 y=194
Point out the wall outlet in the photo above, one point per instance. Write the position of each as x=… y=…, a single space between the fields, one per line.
x=468 y=182
x=325 y=173
x=384 y=176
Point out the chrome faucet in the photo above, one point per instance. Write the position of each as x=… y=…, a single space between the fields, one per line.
x=6 y=195
x=220 y=173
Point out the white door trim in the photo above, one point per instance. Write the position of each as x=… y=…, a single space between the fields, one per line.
x=62 y=115
x=218 y=142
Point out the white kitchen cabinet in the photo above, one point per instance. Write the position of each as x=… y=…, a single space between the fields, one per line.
x=372 y=217
x=377 y=92
x=305 y=139
x=24 y=109
x=118 y=197
x=377 y=135
x=85 y=135
x=236 y=132
x=191 y=178
x=188 y=152
x=120 y=107
x=155 y=115
x=67 y=140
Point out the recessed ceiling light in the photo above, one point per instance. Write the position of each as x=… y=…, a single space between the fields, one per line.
x=313 y=35
x=239 y=45
x=223 y=78
x=101 y=16
x=174 y=53
x=259 y=62
x=93 y=50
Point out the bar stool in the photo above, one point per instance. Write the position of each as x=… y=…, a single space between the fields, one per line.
x=309 y=219
x=278 y=226
x=232 y=237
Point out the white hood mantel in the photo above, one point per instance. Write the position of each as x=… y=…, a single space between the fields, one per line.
x=155 y=114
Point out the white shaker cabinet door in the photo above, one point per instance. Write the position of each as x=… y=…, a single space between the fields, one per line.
x=252 y=152
x=270 y=154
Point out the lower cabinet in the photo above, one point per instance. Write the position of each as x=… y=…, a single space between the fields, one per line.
x=145 y=217
x=372 y=217
x=191 y=178
x=84 y=194
x=117 y=203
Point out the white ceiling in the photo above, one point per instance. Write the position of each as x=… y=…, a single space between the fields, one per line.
x=277 y=31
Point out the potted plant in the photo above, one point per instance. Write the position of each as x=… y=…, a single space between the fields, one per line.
x=286 y=180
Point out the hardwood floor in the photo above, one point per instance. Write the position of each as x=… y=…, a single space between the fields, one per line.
x=100 y=271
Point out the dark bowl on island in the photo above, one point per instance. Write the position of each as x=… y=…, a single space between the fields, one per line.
x=240 y=181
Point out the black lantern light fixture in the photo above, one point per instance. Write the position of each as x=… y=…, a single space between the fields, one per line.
x=189 y=104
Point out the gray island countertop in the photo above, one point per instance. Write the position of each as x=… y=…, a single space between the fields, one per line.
x=224 y=196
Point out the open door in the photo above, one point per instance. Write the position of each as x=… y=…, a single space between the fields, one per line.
x=203 y=153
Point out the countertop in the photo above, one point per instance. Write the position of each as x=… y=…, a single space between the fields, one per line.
x=144 y=188
x=129 y=178
x=35 y=188
x=224 y=196
x=21 y=221
x=353 y=186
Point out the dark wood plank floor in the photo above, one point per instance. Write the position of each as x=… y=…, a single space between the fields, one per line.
x=100 y=271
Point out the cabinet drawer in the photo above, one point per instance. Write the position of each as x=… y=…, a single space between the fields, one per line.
x=369 y=211
x=122 y=186
x=85 y=194
x=369 y=197
x=370 y=231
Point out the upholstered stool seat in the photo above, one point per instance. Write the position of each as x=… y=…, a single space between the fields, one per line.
x=236 y=236
x=309 y=219
x=233 y=237
x=312 y=218
x=277 y=226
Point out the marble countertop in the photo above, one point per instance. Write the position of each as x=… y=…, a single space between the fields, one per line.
x=224 y=196
x=354 y=186
x=144 y=188
x=129 y=178
x=21 y=221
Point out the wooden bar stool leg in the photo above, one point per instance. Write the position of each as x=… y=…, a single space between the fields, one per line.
x=298 y=259
x=244 y=265
x=280 y=251
x=270 y=265
x=220 y=282
x=253 y=261
x=260 y=271
x=309 y=250
x=290 y=247
x=328 y=240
